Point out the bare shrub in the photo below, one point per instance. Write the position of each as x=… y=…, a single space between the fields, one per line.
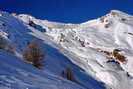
x=68 y=74
x=34 y=54
x=5 y=46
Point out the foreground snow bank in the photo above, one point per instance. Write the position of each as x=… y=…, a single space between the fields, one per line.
x=16 y=74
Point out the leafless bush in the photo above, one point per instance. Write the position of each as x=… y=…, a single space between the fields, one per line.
x=34 y=54
x=68 y=74
x=5 y=46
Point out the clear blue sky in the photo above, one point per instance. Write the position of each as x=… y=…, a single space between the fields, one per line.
x=73 y=11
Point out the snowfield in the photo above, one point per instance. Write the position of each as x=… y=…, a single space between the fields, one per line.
x=100 y=52
x=16 y=74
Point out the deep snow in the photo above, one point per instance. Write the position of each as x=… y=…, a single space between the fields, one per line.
x=83 y=46
x=19 y=34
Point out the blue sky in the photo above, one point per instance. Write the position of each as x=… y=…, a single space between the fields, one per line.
x=68 y=11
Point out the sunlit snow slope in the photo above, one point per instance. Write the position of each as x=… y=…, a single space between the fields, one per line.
x=15 y=73
x=100 y=51
x=102 y=47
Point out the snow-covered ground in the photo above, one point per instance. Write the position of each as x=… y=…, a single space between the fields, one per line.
x=16 y=74
x=100 y=51
x=19 y=34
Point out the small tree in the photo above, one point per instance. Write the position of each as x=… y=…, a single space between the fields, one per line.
x=5 y=46
x=68 y=74
x=34 y=54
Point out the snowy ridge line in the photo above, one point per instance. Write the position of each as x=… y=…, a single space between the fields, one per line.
x=96 y=49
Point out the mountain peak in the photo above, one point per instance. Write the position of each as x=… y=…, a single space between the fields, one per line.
x=116 y=11
x=115 y=16
x=119 y=13
x=99 y=50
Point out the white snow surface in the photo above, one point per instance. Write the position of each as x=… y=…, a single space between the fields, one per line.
x=78 y=45
x=25 y=76
x=17 y=74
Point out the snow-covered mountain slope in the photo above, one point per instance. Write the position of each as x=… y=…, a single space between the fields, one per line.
x=16 y=74
x=19 y=33
x=102 y=47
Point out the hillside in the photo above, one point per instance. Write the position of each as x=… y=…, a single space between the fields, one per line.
x=19 y=34
x=99 y=51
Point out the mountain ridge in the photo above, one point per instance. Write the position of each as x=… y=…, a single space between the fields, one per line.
x=102 y=47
